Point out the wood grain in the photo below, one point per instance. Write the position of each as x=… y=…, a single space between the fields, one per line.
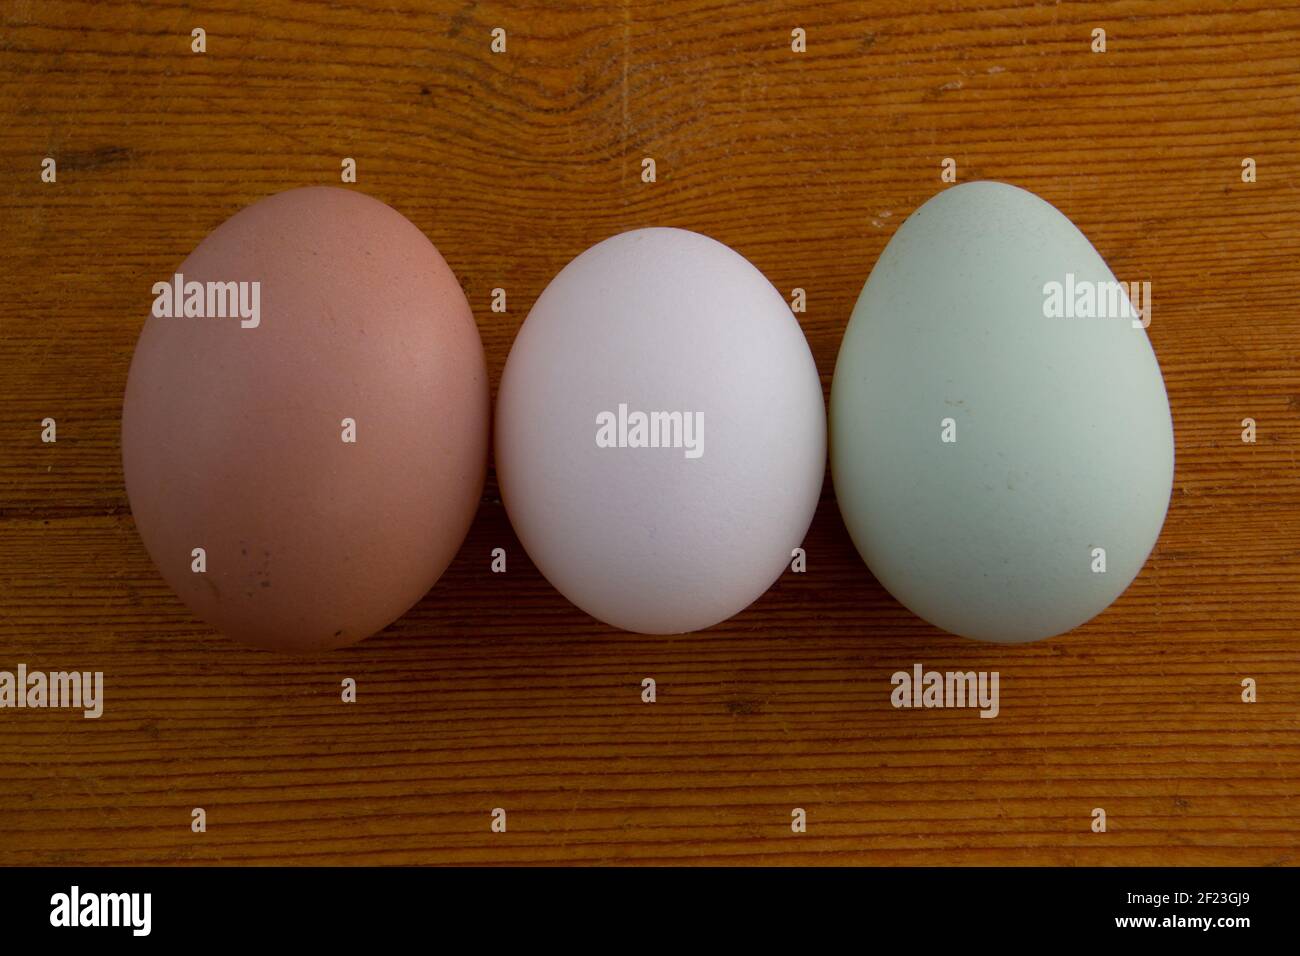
x=493 y=691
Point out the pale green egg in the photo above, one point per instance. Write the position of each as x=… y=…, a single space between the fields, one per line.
x=1001 y=444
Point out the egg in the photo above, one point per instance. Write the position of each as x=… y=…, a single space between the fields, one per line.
x=660 y=432
x=1001 y=444
x=305 y=425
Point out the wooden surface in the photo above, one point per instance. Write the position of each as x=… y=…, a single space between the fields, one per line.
x=493 y=691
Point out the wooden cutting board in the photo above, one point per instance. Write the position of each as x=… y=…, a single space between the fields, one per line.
x=494 y=692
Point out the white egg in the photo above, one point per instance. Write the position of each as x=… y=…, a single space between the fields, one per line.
x=660 y=432
x=1003 y=460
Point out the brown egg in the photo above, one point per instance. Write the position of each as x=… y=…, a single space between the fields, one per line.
x=304 y=458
